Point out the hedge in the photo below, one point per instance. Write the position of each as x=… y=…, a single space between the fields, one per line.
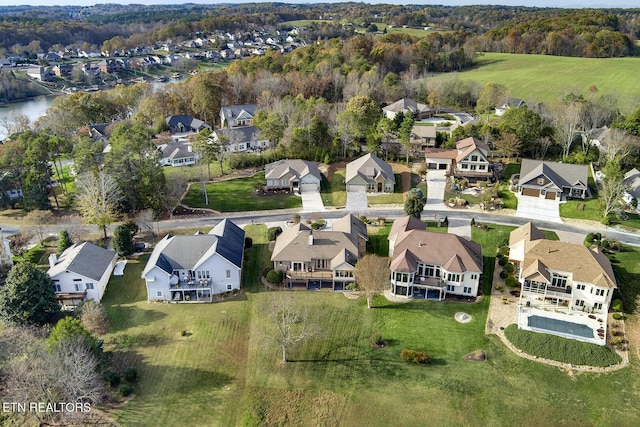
x=274 y=276
x=273 y=233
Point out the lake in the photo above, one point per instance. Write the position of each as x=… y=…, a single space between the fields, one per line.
x=32 y=108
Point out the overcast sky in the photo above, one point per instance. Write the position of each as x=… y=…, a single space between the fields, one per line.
x=538 y=3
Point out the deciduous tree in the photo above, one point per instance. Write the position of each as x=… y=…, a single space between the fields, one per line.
x=97 y=199
x=613 y=187
x=372 y=276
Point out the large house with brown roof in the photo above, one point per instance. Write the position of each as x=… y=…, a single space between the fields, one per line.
x=321 y=259
x=426 y=264
x=566 y=288
x=470 y=159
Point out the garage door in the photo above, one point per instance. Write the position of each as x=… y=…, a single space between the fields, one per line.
x=550 y=196
x=442 y=166
x=432 y=165
x=530 y=192
x=308 y=187
x=357 y=188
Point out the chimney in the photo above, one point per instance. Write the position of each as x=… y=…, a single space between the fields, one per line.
x=310 y=237
x=190 y=148
x=53 y=259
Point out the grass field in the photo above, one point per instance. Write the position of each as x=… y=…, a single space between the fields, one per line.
x=334 y=192
x=223 y=373
x=237 y=195
x=542 y=78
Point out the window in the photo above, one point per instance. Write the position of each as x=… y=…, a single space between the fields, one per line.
x=228 y=287
x=558 y=280
x=597 y=306
x=482 y=167
x=78 y=287
x=57 y=287
x=580 y=287
x=580 y=303
x=450 y=288
x=474 y=277
x=467 y=290
x=158 y=293
x=371 y=186
x=473 y=167
x=89 y=285
x=599 y=292
x=540 y=181
x=464 y=166
x=228 y=274
x=453 y=277
x=474 y=158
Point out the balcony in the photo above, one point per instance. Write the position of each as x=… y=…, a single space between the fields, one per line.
x=313 y=274
x=430 y=282
x=192 y=284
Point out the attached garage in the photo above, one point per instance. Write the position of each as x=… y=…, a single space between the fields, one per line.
x=309 y=187
x=533 y=192
x=357 y=188
x=550 y=195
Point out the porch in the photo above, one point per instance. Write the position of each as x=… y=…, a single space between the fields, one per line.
x=422 y=287
x=70 y=300
x=320 y=280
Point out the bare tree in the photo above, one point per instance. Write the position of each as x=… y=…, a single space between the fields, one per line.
x=288 y=323
x=76 y=371
x=73 y=225
x=509 y=145
x=613 y=187
x=94 y=317
x=15 y=122
x=97 y=198
x=567 y=120
x=618 y=145
x=37 y=222
x=144 y=220
x=372 y=276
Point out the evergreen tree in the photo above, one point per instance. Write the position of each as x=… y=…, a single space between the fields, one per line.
x=123 y=241
x=28 y=296
x=64 y=241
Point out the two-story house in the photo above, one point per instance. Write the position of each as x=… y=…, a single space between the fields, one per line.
x=81 y=273
x=470 y=159
x=237 y=115
x=321 y=259
x=194 y=268
x=566 y=287
x=432 y=265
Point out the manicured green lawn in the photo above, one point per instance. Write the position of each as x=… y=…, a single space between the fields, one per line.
x=388 y=198
x=627 y=269
x=238 y=195
x=334 y=192
x=223 y=373
x=509 y=200
x=546 y=78
x=591 y=209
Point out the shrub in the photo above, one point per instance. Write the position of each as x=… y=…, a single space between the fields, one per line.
x=511 y=282
x=318 y=224
x=616 y=305
x=94 y=317
x=273 y=233
x=112 y=378
x=248 y=242
x=589 y=239
x=509 y=268
x=295 y=218
x=274 y=276
x=183 y=333
x=504 y=274
x=131 y=375
x=503 y=261
x=504 y=251
x=618 y=316
x=473 y=222
x=125 y=390
x=376 y=338
x=420 y=357
x=363 y=218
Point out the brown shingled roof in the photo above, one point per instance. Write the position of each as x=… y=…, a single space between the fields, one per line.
x=528 y=232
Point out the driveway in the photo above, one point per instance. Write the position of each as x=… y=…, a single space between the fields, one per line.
x=357 y=201
x=460 y=227
x=436 y=183
x=312 y=202
x=540 y=209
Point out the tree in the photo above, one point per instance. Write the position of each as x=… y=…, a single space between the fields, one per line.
x=94 y=317
x=97 y=198
x=64 y=241
x=70 y=328
x=613 y=187
x=414 y=204
x=37 y=222
x=388 y=131
x=509 y=145
x=287 y=322
x=28 y=296
x=492 y=95
x=123 y=241
x=567 y=118
x=404 y=134
x=372 y=275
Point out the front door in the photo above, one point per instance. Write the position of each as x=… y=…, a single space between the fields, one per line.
x=379 y=187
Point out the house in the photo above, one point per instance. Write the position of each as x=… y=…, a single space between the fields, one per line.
x=470 y=159
x=237 y=115
x=632 y=181
x=423 y=137
x=81 y=273
x=551 y=180
x=370 y=174
x=294 y=175
x=408 y=105
x=511 y=103
x=321 y=259
x=38 y=73
x=566 y=288
x=241 y=139
x=426 y=264
x=111 y=66
x=176 y=153
x=194 y=268
x=62 y=70
x=186 y=124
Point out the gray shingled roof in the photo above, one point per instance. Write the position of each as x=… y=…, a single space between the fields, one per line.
x=369 y=165
x=175 y=150
x=85 y=259
x=234 y=111
x=562 y=174
x=240 y=134
x=298 y=168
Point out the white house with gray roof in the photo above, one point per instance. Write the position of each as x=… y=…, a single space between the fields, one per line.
x=81 y=273
x=176 y=153
x=241 y=139
x=237 y=115
x=370 y=174
x=551 y=180
x=294 y=175
x=194 y=268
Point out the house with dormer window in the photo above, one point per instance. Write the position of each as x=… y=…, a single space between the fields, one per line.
x=432 y=265
x=566 y=288
x=237 y=115
x=552 y=180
